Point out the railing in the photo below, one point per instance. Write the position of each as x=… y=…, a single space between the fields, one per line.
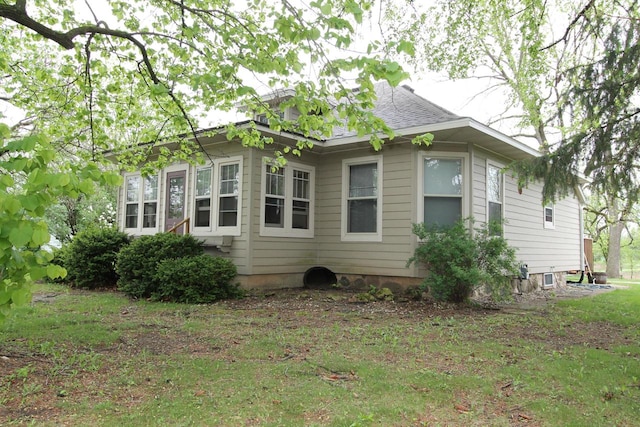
x=186 y=222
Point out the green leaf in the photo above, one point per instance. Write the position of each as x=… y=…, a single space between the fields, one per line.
x=5 y=295
x=6 y=181
x=21 y=296
x=21 y=235
x=12 y=205
x=406 y=47
x=55 y=271
x=40 y=234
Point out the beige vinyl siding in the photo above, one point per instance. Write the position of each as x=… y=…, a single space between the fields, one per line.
x=543 y=250
x=389 y=256
x=479 y=180
x=277 y=255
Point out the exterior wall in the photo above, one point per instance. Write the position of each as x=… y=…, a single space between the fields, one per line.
x=387 y=257
x=268 y=261
x=271 y=255
x=544 y=250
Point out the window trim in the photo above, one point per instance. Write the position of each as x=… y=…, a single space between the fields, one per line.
x=361 y=237
x=500 y=167
x=544 y=281
x=549 y=224
x=287 y=229
x=466 y=184
x=139 y=229
x=214 y=214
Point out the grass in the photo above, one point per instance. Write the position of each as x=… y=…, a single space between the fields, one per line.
x=85 y=358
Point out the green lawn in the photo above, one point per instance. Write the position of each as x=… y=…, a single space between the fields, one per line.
x=313 y=358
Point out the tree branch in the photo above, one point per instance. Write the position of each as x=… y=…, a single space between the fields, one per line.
x=581 y=14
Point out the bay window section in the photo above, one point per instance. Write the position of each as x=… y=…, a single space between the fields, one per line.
x=442 y=191
x=203 y=197
x=228 y=195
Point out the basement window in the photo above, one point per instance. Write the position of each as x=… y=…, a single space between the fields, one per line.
x=549 y=281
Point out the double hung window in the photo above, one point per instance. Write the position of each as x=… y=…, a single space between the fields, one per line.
x=217 y=189
x=442 y=186
x=287 y=200
x=362 y=199
x=141 y=207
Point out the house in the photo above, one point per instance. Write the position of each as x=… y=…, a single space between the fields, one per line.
x=344 y=209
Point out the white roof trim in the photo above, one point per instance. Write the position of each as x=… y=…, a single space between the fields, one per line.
x=453 y=124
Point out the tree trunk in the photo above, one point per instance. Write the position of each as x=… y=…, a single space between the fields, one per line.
x=613 y=258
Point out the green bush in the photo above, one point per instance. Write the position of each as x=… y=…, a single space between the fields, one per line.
x=137 y=263
x=459 y=261
x=196 y=279
x=90 y=257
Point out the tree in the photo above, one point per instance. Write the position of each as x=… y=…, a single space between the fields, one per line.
x=542 y=63
x=128 y=76
x=72 y=215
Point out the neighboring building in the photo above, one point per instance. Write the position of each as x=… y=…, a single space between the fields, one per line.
x=346 y=208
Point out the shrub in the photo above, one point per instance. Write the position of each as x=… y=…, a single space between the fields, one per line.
x=91 y=255
x=196 y=279
x=137 y=263
x=458 y=262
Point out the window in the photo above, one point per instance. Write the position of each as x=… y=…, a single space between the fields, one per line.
x=274 y=200
x=548 y=280
x=133 y=197
x=141 y=207
x=202 y=215
x=263 y=118
x=216 y=194
x=228 y=195
x=362 y=199
x=150 y=206
x=442 y=191
x=494 y=197
x=549 y=220
x=287 y=201
x=301 y=200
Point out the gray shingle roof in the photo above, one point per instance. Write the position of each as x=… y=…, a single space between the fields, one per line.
x=401 y=108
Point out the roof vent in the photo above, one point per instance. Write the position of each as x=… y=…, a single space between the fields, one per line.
x=407 y=87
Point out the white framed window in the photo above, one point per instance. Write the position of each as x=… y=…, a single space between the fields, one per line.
x=202 y=214
x=495 y=195
x=443 y=188
x=549 y=280
x=548 y=214
x=362 y=199
x=141 y=203
x=287 y=200
x=228 y=195
x=217 y=190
